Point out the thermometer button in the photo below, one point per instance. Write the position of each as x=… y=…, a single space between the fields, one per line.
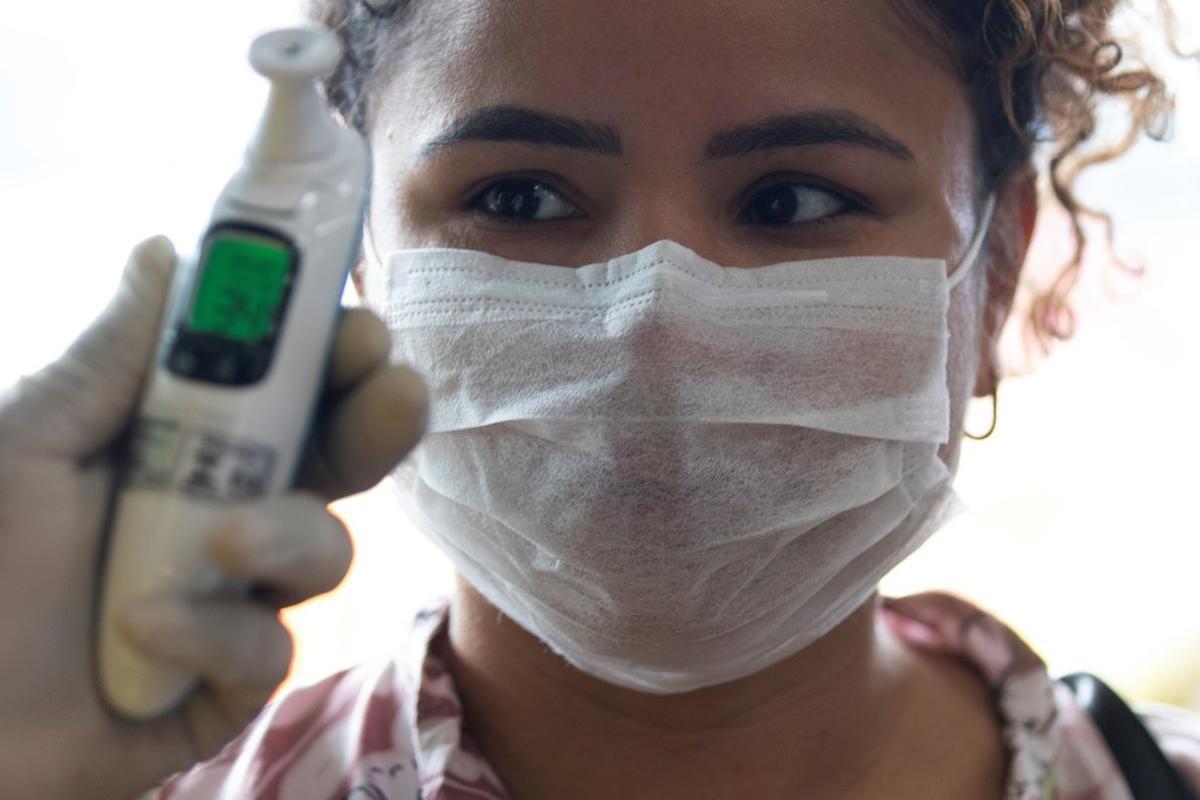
x=211 y=360
x=254 y=366
x=183 y=363
x=225 y=369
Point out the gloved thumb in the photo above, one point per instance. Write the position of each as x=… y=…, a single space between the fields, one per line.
x=80 y=402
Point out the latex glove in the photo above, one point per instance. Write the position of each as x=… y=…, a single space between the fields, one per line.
x=57 y=431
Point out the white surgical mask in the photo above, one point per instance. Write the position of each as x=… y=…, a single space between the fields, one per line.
x=675 y=473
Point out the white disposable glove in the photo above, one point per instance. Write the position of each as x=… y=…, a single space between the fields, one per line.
x=57 y=431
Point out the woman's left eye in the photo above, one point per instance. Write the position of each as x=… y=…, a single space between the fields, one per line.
x=522 y=200
x=792 y=203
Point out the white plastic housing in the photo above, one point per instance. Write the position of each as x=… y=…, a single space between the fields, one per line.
x=305 y=178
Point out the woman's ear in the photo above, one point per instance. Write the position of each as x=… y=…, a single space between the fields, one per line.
x=1015 y=221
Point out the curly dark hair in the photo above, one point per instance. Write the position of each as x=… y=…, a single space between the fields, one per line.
x=1038 y=72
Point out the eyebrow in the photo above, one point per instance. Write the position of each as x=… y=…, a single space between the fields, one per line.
x=515 y=124
x=805 y=130
x=503 y=123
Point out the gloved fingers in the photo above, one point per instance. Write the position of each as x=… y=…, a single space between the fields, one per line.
x=290 y=547
x=360 y=347
x=77 y=404
x=235 y=645
x=365 y=432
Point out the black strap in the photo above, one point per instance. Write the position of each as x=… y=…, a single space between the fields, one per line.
x=1150 y=775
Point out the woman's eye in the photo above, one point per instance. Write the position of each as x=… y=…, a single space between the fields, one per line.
x=792 y=203
x=523 y=200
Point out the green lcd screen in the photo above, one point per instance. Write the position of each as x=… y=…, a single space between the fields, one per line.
x=242 y=282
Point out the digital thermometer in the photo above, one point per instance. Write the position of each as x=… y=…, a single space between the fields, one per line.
x=242 y=353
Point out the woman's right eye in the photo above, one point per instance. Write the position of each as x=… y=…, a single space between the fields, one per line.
x=518 y=201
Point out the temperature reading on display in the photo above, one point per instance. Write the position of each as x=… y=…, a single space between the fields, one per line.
x=242 y=283
x=228 y=333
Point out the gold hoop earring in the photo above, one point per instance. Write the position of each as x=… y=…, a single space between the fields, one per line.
x=995 y=412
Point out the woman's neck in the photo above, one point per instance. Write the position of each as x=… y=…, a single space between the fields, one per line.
x=855 y=714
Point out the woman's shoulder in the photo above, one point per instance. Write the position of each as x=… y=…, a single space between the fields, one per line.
x=330 y=739
x=1056 y=750
x=1177 y=732
x=393 y=727
x=389 y=728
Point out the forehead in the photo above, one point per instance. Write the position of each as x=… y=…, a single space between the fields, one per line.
x=655 y=68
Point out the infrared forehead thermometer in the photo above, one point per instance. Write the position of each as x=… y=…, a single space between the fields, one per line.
x=242 y=351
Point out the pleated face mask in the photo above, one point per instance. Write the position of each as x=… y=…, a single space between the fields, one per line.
x=675 y=473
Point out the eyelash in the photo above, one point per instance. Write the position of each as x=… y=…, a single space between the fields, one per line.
x=476 y=203
x=850 y=203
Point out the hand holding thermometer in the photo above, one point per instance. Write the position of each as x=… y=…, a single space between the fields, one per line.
x=242 y=352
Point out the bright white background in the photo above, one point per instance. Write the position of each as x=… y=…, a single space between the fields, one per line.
x=119 y=121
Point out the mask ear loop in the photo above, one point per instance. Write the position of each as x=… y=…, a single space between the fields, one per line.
x=368 y=243
x=973 y=253
x=975 y=249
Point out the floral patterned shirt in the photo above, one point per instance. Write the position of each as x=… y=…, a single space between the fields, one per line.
x=393 y=729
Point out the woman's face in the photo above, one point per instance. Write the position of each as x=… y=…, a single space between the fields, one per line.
x=572 y=131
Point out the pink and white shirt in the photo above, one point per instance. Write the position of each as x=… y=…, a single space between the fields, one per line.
x=393 y=729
